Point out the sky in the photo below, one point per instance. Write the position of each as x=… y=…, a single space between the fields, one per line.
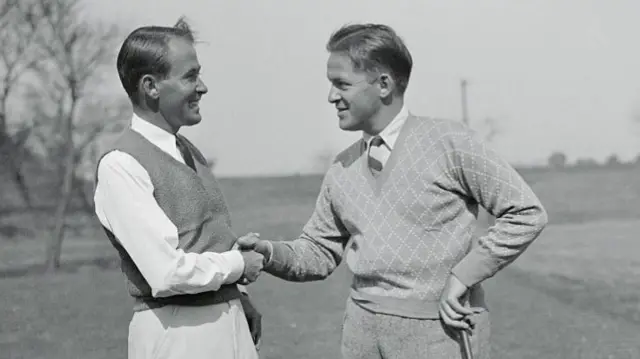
x=556 y=75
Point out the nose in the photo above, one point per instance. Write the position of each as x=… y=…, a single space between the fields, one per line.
x=334 y=95
x=201 y=88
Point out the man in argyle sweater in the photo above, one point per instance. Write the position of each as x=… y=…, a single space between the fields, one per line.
x=401 y=204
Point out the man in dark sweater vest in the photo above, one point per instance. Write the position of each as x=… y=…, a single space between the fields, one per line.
x=404 y=199
x=164 y=212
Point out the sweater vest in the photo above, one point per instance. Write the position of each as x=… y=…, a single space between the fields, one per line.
x=194 y=203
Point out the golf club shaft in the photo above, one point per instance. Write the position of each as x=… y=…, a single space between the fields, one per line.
x=466 y=344
x=464 y=335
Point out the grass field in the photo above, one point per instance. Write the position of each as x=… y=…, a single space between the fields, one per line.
x=573 y=294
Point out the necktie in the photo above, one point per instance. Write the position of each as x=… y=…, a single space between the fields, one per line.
x=186 y=154
x=375 y=164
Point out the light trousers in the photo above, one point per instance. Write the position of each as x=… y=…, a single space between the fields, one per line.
x=368 y=335
x=217 y=331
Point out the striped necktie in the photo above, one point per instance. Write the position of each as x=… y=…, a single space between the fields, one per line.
x=375 y=163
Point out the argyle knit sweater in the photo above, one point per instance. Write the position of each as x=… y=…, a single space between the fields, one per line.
x=404 y=232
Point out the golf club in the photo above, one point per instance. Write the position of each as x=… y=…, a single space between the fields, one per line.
x=466 y=344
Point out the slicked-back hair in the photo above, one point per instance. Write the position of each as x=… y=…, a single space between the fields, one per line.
x=374 y=48
x=145 y=51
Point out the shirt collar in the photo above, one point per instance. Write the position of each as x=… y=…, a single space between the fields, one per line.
x=390 y=133
x=154 y=134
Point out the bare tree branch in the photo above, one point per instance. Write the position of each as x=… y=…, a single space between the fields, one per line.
x=6 y=11
x=18 y=23
x=51 y=53
x=78 y=50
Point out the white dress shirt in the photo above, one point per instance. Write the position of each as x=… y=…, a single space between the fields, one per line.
x=389 y=135
x=125 y=205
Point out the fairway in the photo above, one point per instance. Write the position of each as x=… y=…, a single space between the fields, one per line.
x=85 y=314
x=573 y=294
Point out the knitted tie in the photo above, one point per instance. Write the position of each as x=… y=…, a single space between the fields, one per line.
x=375 y=165
x=186 y=154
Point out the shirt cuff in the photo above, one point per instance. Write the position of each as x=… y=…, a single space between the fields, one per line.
x=279 y=258
x=268 y=260
x=236 y=265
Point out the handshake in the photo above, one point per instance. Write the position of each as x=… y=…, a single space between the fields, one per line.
x=255 y=253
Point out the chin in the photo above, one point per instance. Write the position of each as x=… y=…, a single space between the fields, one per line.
x=193 y=120
x=347 y=125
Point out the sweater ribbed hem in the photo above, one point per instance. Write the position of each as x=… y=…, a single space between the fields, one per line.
x=409 y=307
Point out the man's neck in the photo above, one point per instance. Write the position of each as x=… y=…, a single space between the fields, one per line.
x=154 y=118
x=386 y=114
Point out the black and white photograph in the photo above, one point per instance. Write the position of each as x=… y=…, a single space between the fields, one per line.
x=217 y=179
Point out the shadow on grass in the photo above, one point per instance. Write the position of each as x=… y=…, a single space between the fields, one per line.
x=591 y=296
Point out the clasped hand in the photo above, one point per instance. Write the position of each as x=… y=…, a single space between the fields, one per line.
x=253 y=255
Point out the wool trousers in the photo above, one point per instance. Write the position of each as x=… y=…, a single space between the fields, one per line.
x=368 y=335
x=217 y=331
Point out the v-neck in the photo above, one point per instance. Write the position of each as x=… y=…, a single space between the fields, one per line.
x=171 y=158
x=377 y=183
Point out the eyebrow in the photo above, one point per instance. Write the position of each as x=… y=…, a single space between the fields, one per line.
x=337 y=78
x=193 y=70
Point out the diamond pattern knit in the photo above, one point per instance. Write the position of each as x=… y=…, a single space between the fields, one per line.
x=406 y=230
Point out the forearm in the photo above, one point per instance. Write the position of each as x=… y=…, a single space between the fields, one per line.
x=190 y=273
x=499 y=188
x=168 y=270
x=511 y=235
x=318 y=250
x=300 y=260
x=150 y=238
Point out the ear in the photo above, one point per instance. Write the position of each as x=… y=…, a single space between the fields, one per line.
x=387 y=85
x=149 y=86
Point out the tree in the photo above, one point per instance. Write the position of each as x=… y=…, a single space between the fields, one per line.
x=557 y=160
x=77 y=51
x=19 y=25
x=613 y=160
x=107 y=116
x=586 y=163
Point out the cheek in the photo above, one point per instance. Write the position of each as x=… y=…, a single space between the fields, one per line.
x=168 y=95
x=363 y=105
x=174 y=97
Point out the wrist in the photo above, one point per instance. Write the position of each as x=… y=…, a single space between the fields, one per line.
x=265 y=248
x=236 y=265
x=456 y=280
